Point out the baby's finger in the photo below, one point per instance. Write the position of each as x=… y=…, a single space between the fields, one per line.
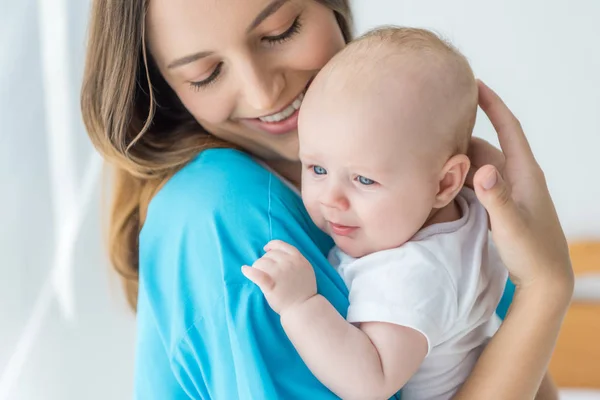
x=266 y=264
x=281 y=245
x=279 y=257
x=260 y=278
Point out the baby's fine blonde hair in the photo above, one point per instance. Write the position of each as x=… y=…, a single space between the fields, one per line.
x=381 y=52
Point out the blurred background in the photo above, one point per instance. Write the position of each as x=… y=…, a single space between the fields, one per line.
x=65 y=331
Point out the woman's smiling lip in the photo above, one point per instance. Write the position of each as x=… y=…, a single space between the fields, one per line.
x=290 y=124
x=287 y=125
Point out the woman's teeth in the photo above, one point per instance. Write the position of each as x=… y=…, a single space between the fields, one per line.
x=280 y=116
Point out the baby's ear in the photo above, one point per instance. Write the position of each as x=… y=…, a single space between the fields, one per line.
x=452 y=179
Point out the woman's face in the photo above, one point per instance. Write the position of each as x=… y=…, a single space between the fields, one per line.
x=241 y=66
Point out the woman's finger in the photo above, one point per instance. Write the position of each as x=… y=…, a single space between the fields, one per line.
x=504 y=218
x=260 y=278
x=482 y=153
x=470 y=176
x=512 y=139
x=492 y=190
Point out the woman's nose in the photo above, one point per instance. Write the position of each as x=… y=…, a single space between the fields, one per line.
x=262 y=86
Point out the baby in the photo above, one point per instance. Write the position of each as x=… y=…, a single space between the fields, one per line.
x=383 y=130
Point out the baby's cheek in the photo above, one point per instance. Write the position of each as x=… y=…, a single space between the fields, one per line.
x=312 y=205
x=314 y=211
x=389 y=230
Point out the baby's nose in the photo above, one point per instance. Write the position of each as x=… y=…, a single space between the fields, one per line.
x=334 y=198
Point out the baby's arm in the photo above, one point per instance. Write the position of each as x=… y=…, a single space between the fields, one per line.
x=373 y=360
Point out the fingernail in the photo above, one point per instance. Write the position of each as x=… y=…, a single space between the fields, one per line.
x=490 y=180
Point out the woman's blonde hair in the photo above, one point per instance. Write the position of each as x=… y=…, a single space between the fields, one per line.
x=144 y=143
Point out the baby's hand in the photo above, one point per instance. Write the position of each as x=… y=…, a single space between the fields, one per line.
x=283 y=274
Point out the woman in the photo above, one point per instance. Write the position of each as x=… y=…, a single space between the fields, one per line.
x=172 y=88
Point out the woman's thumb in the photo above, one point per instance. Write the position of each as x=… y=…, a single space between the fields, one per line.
x=493 y=192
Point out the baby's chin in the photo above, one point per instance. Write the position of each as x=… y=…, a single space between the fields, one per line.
x=356 y=248
x=351 y=247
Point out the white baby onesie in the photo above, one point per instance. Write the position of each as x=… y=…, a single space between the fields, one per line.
x=445 y=282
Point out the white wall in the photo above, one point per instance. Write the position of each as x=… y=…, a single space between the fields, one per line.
x=64 y=331
x=543 y=58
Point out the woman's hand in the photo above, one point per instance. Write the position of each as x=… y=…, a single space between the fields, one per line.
x=512 y=187
x=525 y=227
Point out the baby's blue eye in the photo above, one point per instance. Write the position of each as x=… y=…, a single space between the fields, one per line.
x=319 y=170
x=365 y=181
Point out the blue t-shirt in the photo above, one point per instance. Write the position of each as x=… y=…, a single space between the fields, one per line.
x=203 y=330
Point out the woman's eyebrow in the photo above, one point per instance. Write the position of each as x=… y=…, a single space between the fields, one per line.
x=266 y=13
x=188 y=59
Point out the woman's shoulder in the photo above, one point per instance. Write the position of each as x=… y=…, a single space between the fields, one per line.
x=222 y=188
x=216 y=180
x=199 y=229
x=215 y=215
x=220 y=166
x=213 y=175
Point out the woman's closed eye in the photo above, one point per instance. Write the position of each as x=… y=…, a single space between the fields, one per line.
x=270 y=40
x=210 y=80
x=287 y=35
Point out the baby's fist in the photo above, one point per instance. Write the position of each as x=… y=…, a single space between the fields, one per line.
x=283 y=274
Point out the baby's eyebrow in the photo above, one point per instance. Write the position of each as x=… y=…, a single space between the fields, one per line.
x=365 y=169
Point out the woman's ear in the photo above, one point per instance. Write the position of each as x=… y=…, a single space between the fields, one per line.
x=452 y=179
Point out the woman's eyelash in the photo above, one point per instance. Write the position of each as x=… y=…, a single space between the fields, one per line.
x=285 y=36
x=292 y=30
x=208 y=81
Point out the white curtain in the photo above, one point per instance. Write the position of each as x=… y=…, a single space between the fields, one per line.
x=65 y=332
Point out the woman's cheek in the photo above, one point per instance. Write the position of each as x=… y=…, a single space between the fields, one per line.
x=318 y=54
x=320 y=42
x=213 y=108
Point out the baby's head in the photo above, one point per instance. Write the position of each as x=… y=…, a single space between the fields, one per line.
x=384 y=129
